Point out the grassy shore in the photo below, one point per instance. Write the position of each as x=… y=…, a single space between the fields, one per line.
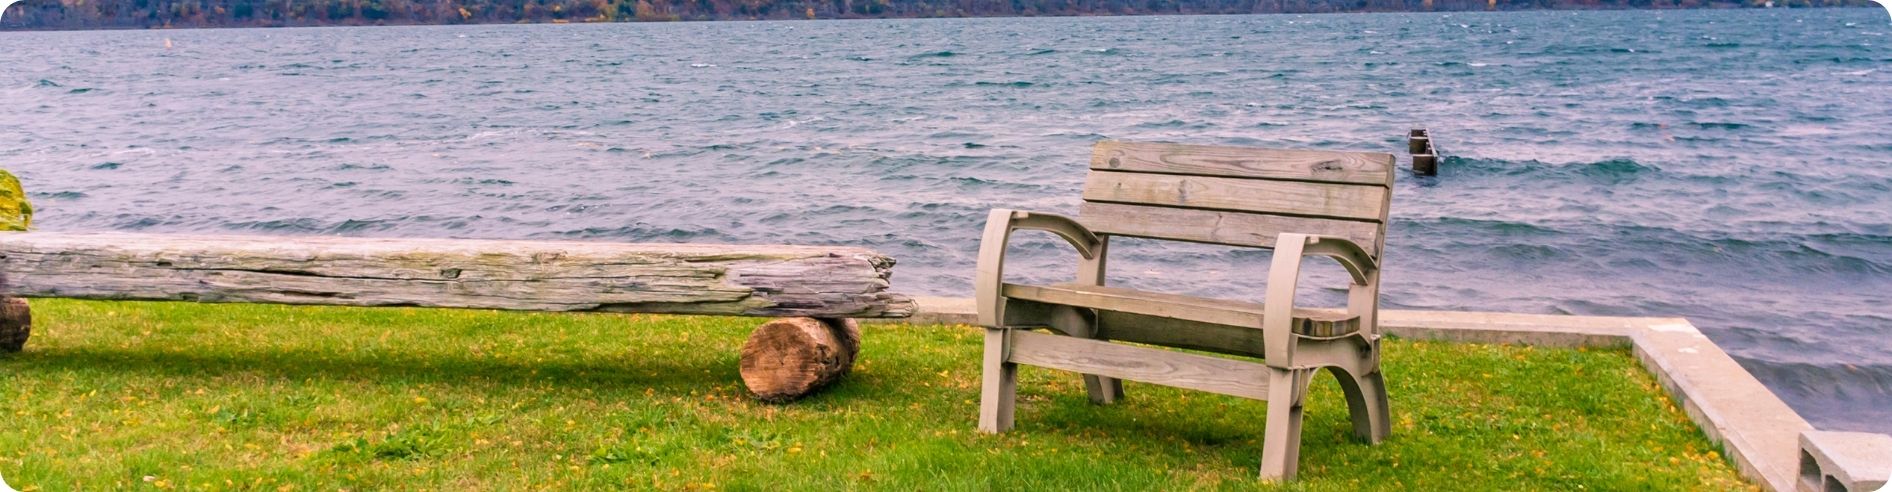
x=130 y=395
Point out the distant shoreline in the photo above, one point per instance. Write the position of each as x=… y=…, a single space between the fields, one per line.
x=50 y=15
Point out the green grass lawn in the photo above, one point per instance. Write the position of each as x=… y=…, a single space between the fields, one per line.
x=133 y=395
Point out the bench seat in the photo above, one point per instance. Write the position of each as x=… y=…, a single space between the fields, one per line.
x=1318 y=323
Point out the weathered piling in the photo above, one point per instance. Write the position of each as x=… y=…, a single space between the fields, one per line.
x=1425 y=157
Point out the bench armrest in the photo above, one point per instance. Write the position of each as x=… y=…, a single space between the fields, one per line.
x=1285 y=272
x=1350 y=255
x=998 y=233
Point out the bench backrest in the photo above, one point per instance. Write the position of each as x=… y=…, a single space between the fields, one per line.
x=1236 y=196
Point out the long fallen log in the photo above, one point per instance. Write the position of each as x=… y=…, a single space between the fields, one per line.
x=740 y=280
x=813 y=286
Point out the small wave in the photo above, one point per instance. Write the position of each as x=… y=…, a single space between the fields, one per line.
x=1040 y=51
x=354 y=225
x=1762 y=253
x=1528 y=252
x=1003 y=84
x=106 y=166
x=1707 y=125
x=48 y=83
x=934 y=54
x=1478 y=227
x=278 y=225
x=645 y=232
x=1612 y=171
x=1174 y=124
x=350 y=166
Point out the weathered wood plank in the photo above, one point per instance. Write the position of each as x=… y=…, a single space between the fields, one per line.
x=1149 y=365
x=1352 y=202
x=1218 y=227
x=1171 y=332
x=1307 y=322
x=1372 y=168
x=831 y=282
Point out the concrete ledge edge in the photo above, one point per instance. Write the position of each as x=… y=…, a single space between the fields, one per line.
x=1759 y=433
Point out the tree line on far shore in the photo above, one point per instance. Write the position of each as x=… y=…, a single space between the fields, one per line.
x=96 y=14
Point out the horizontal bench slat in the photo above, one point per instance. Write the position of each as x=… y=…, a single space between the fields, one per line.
x=1350 y=202
x=1307 y=322
x=1371 y=168
x=1217 y=227
x=744 y=280
x=1149 y=365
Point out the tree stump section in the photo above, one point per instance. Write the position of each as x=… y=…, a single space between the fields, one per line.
x=16 y=323
x=788 y=358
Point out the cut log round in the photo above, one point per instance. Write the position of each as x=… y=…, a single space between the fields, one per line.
x=16 y=323
x=788 y=358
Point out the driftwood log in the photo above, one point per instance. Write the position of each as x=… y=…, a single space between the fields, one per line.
x=829 y=282
x=789 y=358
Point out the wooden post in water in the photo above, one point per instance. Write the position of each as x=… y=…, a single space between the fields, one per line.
x=1425 y=158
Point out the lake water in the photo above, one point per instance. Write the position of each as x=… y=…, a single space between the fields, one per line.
x=1732 y=167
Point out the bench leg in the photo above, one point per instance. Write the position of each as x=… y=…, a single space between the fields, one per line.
x=1366 y=400
x=1000 y=386
x=1082 y=323
x=1103 y=390
x=1281 y=442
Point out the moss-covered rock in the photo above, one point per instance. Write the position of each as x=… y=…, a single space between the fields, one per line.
x=16 y=214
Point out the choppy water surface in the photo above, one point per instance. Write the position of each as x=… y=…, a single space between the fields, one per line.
x=1730 y=167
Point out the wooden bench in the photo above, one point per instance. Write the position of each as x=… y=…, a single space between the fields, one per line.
x=1297 y=203
x=782 y=359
